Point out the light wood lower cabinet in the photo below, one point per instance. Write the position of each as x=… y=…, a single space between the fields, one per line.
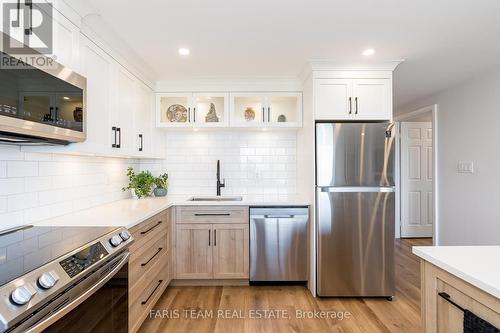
x=440 y=315
x=150 y=269
x=230 y=251
x=212 y=242
x=194 y=251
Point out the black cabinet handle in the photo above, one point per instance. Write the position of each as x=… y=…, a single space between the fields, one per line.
x=119 y=130
x=215 y=237
x=263 y=115
x=189 y=115
x=194 y=115
x=141 y=140
x=356 y=103
x=212 y=214
x=153 y=292
x=56 y=118
x=154 y=255
x=146 y=231
x=350 y=105
x=209 y=237
x=114 y=130
x=268 y=114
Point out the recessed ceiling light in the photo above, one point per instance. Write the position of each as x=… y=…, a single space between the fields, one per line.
x=184 y=52
x=368 y=52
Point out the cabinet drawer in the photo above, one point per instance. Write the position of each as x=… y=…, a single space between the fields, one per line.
x=147 y=230
x=144 y=295
x=212 y=214
x=146 y=257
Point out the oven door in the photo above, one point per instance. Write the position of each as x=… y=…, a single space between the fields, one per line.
x=97 y=303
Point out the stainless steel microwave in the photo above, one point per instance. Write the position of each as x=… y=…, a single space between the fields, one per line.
x=41 y=104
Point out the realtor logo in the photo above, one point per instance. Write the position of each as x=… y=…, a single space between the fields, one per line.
x=28 y=33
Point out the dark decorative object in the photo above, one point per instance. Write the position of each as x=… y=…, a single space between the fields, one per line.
x=211 y=116
x=78 y=114
x=281 y=118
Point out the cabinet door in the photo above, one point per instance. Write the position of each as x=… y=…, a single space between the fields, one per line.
x=247 y=110
x=124 y=107
x=142 y=120
x=194 y=251
x=332 y=99
x=66 y=41
x=174 y=110
x=230 y=250
x=284 y=110
x=97 y=67
x=372 y=99
x=210 y=109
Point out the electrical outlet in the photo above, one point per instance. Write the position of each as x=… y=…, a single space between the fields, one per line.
x=465 y=167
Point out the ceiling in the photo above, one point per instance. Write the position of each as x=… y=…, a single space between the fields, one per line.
x=443 y=42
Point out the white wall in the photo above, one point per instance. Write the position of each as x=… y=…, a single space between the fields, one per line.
x=35 y=186
x=260 y=165
x=468 y=129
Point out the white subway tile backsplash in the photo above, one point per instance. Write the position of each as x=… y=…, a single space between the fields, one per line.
x=22 y=169
x=261 y=165
x=37 y=186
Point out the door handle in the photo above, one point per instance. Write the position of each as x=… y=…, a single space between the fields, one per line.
x=194 y=114
x=356 y=104
x=268 y=114
x=209 y=237
x=350 y=105
x=215 y=237
x=263 y=114
x=141 y=141
x=279 y=216
x=114 y=144
x=189 y=115
x=119 y=130
x=57 y=114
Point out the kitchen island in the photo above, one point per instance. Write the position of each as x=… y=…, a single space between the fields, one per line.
x=457 y=278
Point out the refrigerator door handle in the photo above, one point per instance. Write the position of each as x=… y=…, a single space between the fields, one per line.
x=384 y=189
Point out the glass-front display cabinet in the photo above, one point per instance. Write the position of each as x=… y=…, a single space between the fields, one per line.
x=192 y=109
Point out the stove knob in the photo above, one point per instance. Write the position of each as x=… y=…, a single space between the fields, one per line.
x=115 y=240
x=22 y=295
x=48 y=280
x=125 y=235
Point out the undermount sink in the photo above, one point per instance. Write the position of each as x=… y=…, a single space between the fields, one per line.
x=215 y=199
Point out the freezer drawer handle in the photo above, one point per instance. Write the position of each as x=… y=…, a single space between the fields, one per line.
x=212 y=214
x=279 y=216
x=358 y=189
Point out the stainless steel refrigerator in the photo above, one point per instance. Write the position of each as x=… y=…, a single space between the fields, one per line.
x=355 y=209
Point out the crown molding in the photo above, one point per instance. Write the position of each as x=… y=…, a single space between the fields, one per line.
x=230 y=84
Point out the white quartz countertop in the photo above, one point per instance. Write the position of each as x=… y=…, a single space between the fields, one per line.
x=477 y=265
x=129 y=212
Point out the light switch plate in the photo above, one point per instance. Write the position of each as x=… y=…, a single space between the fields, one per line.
x=465 y=167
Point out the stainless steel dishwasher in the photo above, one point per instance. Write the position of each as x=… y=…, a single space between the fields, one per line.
x=278 y=244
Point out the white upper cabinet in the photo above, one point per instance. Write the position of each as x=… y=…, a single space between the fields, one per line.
x=192 y=109
x=143 y=120
x=372 y=99
x=353 y=99
x=210 y=109
x=123 y=112
x=266 y=110
x=66 y=42
x=248 y=110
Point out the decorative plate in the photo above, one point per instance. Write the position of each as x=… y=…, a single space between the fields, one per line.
x=249 y=114
x=177 y=113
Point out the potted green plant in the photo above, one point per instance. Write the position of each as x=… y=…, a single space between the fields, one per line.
x=140 y=184
x=161 y=183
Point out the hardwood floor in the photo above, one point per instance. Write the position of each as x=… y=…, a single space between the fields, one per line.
x=198 y=308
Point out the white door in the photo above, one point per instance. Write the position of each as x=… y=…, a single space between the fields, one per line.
x=333 y=99
x=371 y=99
x=416 y=179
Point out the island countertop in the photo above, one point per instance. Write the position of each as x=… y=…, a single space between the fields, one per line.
x=477 y=265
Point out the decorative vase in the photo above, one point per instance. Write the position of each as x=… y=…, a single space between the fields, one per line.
x=160 y=192
x=134 y=195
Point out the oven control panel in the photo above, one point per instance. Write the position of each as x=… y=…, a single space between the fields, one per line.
x=83 y=259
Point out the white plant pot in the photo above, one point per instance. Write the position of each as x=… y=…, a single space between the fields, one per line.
x=134 y=196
